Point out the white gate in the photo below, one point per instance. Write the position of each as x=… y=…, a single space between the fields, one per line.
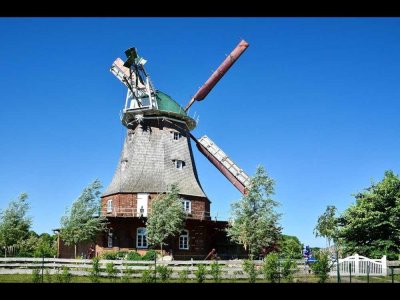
x=360 y=266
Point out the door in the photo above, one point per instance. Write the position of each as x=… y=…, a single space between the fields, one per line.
x=142 y=199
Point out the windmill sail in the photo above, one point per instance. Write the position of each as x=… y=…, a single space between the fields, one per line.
x=223 y=163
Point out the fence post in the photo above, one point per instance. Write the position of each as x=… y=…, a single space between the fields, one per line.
x=392 y=269
x=368 y=271
x=42 y=264
x=350 y=270
x=337 y=266
x=356 y=265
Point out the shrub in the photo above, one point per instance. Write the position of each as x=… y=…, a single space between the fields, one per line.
x=109 y=255
x=148 y=276
x=133 y=256
x=270 y=267
x=150 y=255
x=200 y=273
x=36 y=276
x=95 y=272
x=122 y=254
x=66 y=275
x=165 y=272
x=111 y=271
x=322 y=266
x=216 y=271
x=249 y=268
x=126 y=274
x=48 y=276
x=184 y=275
x=288 y=269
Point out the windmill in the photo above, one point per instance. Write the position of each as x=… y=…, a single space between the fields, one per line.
x=156 y=153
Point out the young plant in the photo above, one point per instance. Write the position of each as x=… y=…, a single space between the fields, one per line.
x=48 y=276
x=184 y=275
x=36 y=276
x=95 y=272
x=249 y=268
x=165 y=273
x=322 y=266
x=111 y=271
x=66 y=275
x=216 y=271
x=200 y=273
x=288 y=269
x=148 y=276
x=270 y=267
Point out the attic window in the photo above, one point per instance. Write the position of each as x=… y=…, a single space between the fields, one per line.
x=179 y=164
x=123 y=164
x=176 y=135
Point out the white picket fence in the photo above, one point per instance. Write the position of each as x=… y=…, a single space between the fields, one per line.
x=358 y=265
x=82 y=267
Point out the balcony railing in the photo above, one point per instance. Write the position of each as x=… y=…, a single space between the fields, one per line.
x=131 y=212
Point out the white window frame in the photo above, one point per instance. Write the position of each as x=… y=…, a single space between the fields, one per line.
x=109 y=205
x=184 y=240
x=187 y=208
x=110 y=240
x=143 y=239
x=179 y=164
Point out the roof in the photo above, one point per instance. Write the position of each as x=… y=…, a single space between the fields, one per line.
x=166 y=103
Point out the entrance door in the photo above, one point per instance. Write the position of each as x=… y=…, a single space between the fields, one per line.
x=142 y=199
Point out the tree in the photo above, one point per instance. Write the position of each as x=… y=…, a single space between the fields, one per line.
x=321 y=266
x=166 y=217
x=254 y=223
x=291 y=247
x=371 y=226
x=83 y=222
x=327 y=225
x=14 y=223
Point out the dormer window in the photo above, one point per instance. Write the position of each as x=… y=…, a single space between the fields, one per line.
x=179 y=164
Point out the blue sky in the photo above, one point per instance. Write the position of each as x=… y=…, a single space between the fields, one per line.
x=314 y=100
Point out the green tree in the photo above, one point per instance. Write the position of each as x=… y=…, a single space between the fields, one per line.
x=166 y=217
x=271 y=267
x=254 y=223
x=327 y=225
x=83 y=222
x=291 y=247
x=371 y=226
x=14 y=223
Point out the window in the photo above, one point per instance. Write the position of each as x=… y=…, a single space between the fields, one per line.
x=110 y=240
x=179 y=164
x=141 y=238
x=187 y=206
x=109 y=205
x=184 y=240
x=176 y=135
x=124 y=164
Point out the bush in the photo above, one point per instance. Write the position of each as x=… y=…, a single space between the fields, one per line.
x=200 y=273
x=127 y=274
x=111 y=271
x=270 y=267
x=95 y=272
x=249 y=268
x=109 y=255
x=322 y=266
x=150 y=255
x=48 y=276
x=288 y=269
x=216 y=271
x=148 y=276
x=66 y=275
x=122 y=254
x=184 y=275
x=164 y=272
x=133 y=256
x=36 y=278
